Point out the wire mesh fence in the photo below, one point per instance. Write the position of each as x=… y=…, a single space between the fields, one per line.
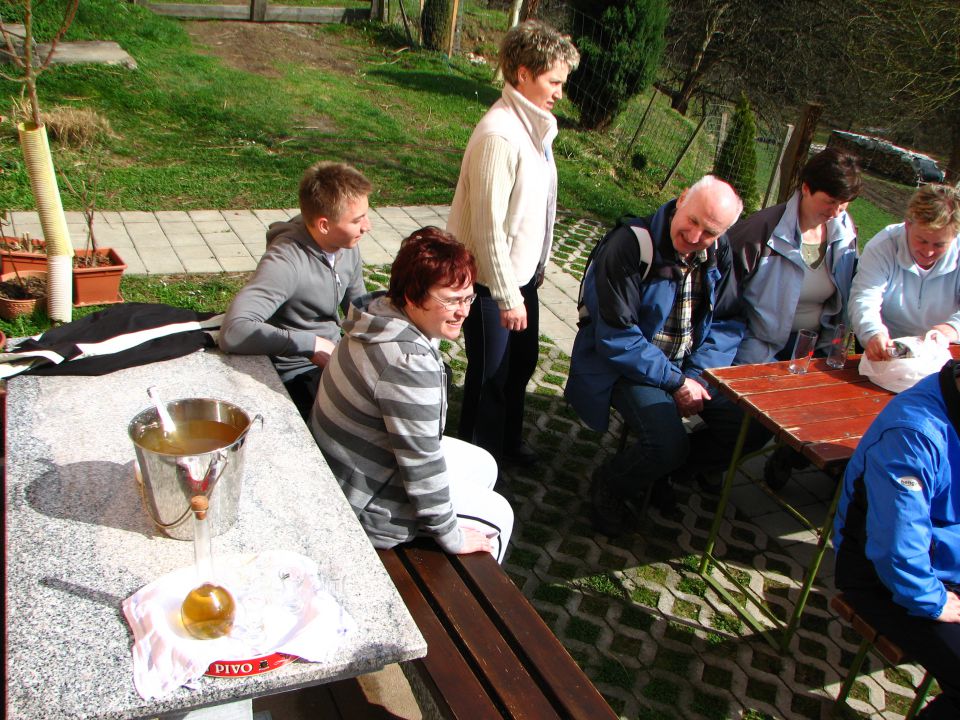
x=655 y=148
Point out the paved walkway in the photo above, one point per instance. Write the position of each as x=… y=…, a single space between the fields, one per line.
x=168 y=242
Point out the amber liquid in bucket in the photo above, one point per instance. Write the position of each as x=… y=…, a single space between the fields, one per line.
x=208 y=612
x=192 y=437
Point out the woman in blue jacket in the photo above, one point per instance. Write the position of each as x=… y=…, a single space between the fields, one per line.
x=794 y=262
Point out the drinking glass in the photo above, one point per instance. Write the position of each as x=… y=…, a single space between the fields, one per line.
x=803 y=351
x=839 y=347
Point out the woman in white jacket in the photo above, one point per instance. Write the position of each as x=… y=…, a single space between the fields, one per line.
x=503 y=211
x=908 y=280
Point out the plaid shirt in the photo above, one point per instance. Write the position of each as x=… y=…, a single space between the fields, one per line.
x=676 y=336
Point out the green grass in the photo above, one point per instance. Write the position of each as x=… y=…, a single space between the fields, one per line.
x=191 y=132
x=289 y=3
x=869 y=219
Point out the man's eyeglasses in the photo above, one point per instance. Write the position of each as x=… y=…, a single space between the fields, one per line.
x=454 y=303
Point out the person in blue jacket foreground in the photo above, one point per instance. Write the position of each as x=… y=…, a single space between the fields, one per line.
x=646 y=332
x=897 y=530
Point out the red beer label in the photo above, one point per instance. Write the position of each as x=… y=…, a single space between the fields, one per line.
x=253 y=666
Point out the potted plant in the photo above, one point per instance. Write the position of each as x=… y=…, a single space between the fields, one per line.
x=36 y=151
x=96 y=270
x=19 y=292
x=22 y=253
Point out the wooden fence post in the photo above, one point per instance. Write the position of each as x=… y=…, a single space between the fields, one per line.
x=775 y=175
x=799 y=146
x=258 y=10
x=378 y=10
x=453 y=27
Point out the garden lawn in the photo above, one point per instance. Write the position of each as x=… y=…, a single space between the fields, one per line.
x=192 y=130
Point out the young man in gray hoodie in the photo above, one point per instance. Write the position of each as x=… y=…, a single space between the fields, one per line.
x=311 y=271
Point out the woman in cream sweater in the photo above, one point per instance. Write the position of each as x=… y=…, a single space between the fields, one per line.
x=503 y=211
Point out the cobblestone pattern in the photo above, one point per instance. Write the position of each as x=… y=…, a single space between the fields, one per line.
x=637 y=616
x=574 y=238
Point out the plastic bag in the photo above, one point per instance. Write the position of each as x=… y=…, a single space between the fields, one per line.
x=916 y=359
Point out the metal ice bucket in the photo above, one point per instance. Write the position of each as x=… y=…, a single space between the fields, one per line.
x=168 y=481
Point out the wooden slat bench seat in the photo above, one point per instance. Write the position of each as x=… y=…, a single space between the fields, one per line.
x=889 y=650
x=489 y=654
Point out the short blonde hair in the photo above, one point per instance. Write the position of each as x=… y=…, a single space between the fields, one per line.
x=936 y=206
x=537 y=47
x=327 y=187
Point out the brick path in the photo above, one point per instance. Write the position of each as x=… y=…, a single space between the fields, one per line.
x=656 y=641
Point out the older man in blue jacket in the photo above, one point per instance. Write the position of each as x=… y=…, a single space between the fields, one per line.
x=646 y=334
x=897 y=530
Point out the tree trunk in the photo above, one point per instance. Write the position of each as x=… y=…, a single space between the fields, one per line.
x=680 y=100
x=529 y=9
x=435 y=24
x=953 y=164
x=699 y=64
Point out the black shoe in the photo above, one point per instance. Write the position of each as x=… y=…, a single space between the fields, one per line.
x=780 y=466
x=712 y=483
x=608 y=508
x=664 y=499
x=522 y=455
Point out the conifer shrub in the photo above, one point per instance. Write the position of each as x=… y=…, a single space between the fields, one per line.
x=737 y=160
x=621 y=44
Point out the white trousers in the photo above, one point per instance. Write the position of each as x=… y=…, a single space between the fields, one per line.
x=473 y=473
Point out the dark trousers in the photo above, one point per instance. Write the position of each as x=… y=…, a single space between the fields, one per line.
x=500 y=363
x=303 y=390
x=662 y=444
x=711 y=448
x=931 y=644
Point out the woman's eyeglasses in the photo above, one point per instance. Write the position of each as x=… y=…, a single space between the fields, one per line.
x=454 y=303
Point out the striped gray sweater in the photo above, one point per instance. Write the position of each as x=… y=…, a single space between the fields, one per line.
x=378 y=420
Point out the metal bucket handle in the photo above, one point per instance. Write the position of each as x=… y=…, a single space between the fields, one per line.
x=218 y=463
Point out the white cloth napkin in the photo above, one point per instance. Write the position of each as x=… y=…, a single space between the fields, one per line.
x=282 y=606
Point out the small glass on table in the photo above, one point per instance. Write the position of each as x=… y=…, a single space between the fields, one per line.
x=839 y=347
x=802 y=351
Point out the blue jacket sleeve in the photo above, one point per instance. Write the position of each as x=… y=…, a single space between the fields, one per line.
x=899 y=477
x=618 y=280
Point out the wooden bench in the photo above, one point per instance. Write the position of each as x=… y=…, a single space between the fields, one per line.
x=490 y=655
x=889 y=650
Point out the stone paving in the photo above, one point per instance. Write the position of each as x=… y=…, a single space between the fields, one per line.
x=655 y=639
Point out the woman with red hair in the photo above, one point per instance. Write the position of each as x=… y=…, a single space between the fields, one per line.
x=382 y=404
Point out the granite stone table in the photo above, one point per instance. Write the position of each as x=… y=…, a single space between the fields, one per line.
x=79 y=541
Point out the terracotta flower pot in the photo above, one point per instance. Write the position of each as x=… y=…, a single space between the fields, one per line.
x=100 y=284
x=22 y=260
x=10 y=308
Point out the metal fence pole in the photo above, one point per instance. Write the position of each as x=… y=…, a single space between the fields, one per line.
x=683 y=152
x=643 y=119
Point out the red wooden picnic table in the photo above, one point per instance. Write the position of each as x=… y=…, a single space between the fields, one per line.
x=822 y=414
